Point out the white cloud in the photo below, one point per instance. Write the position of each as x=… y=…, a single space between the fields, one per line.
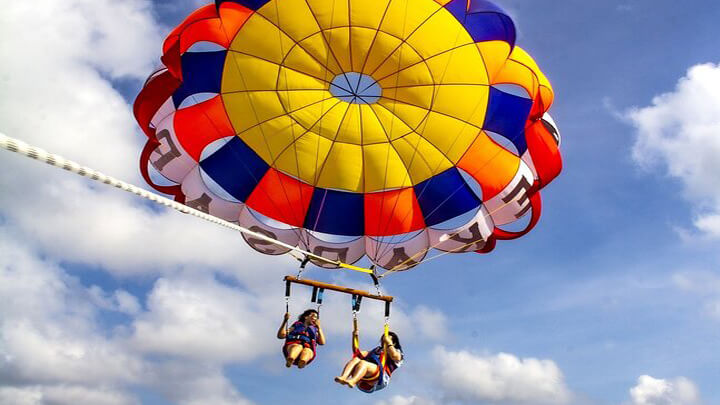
x=120 y=300
x=202 y=319
x=653 y=391
x=197 y=385
x=49 y=338
x=704 y=285
x=57 y=57
x=53 y=350
x=681 y=131
x=411 y=400
x=54 y=94
x=71 y=395
x=433 y=321
x=47 y=331
x=503 y=378
x=64 y=395
x=20 y=396
x=75 y=394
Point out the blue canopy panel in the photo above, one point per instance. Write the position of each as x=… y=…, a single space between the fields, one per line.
x=483 y=20
x=202 y=73
x=336 y=212
x=236 y=168
x=506 y=115
x=251 y=4
x=445 y=196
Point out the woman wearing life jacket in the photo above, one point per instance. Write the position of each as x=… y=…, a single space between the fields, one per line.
x=366 y=368
x=301 y=338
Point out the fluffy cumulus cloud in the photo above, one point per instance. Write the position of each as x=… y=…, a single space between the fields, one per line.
x=465 y=376
x=411 y=400
x=63 y=395
x=61 y=60
x=654 y=391
x=60 y=63
x=51 y=349
x=434 y=322
x=57 y=57
x=703 y=285
x=197 y=385
x=54 y=350
x=680 y=131
x=203 y=319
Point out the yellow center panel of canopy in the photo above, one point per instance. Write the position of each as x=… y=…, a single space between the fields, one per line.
x=284 y=71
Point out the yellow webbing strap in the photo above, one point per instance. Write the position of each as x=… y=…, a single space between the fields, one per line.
x=383 y=356
x=354 y=268
x=22 y=148
x=356 y=340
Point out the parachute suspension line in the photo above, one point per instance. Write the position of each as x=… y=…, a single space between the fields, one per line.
x=303 y=263
x=392 y=122
x=320 y=166
x=455 y=139
x=506 y=142
x=384 y=246
x=424 y=251
x=295 y=230
x=330 y=53
x=380 y=245
x=372 y=43
x=323 y=113
x=302 y=236
x=22 y=148
x=457 y=249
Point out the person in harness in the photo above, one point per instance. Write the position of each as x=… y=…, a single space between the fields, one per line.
x=371 y=370
x=301 y=338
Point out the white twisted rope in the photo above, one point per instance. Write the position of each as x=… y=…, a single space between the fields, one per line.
x=22 y=148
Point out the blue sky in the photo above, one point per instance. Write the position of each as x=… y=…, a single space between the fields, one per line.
x=613 y=299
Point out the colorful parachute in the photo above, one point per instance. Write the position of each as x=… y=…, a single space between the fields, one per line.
x=384 y=128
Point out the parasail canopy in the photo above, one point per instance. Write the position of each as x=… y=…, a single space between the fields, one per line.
x=384 y=128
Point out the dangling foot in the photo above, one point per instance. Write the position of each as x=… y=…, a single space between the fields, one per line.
x=341 y=381
x=301 y=363
x=350 y=384
x=289 y=362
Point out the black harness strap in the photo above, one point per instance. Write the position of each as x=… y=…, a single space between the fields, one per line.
x=356 y=301
x=314 y=294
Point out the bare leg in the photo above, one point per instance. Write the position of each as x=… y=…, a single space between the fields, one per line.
x=305 y=357
x=362 y=369
x=342 y=379
x=293 y=352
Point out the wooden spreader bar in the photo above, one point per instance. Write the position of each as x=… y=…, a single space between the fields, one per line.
x=333 y=287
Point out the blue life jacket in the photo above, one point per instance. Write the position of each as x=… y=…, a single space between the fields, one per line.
x=383 y=378
x=305 y=334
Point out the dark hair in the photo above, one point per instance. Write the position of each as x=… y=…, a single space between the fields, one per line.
x=395 y=339
x=307 y=312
